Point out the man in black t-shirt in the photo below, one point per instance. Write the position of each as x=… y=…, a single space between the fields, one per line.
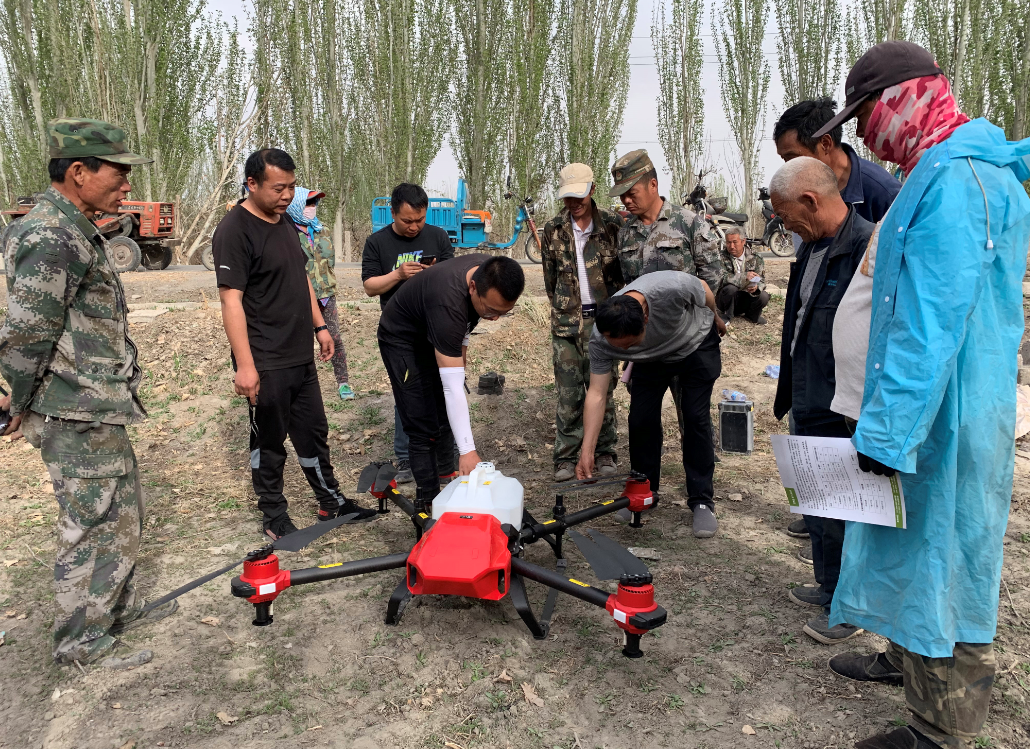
x=423 y=338
x=268 y=310
x=391 y=256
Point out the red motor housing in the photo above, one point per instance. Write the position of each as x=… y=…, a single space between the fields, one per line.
x=639 y=493
x=461 y=554
x=628 y=601
x=265 y=577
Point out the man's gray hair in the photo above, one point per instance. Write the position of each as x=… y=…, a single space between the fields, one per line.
x=803 y=174
x=734 y=230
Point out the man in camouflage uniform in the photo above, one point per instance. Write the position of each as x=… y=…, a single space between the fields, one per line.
x=662 y=235
x=73 y=374
x=741 y=294
x=581 y=269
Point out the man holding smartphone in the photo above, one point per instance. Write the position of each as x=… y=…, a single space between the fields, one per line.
x=391 y=256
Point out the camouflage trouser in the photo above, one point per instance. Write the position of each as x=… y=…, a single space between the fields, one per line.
x=948 y=697
x=571 y=380
x=100 y=517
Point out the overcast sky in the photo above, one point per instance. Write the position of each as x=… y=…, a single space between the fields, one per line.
x=639 y=128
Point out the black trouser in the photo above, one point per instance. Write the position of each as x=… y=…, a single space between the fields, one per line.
x=418 y=393
x=826 y=534
x=289 y=402
x=694 y=376
x=732 y=300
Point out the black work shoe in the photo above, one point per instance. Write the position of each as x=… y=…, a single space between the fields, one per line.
x=819 y=629
x=873 y=667
x=404 y=475
x=805 y=554
x=137 y=619
x=350 y=508
x=902 y=738
x=279 y=527
x=806 y=595
x=760 y=320
x=798 y=529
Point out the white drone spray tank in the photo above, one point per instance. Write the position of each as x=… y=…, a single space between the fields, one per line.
x=486 y=491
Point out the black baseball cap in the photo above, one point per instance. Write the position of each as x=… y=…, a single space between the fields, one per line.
x=883 y=65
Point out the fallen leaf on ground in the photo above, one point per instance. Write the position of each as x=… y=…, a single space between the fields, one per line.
x=23 y=616
x=117 y=705
x=130 y=744
x=452 y=745
x=531 y=695
x=11 y=562
x=314 y=728
x=748 y=730
x=503 y=678
x=213 y=621
x=226 y=719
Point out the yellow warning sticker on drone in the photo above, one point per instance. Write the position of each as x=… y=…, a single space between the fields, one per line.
x=327 y=566
x=610 y=501
x=585 y=585
x=548 y=522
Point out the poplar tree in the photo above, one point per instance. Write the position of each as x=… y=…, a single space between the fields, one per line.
x=482 y=96
x=593 y=72
x=676 y=37
x=809 y=48
x=1009 y=81
x=739 y=30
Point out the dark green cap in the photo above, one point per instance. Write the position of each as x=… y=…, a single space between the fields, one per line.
x=628 y=170
x=73 y=138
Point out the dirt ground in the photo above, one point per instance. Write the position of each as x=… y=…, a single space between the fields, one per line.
x=328 y=672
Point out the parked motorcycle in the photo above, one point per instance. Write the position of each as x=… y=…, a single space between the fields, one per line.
x=714 y=210
x=775 y=236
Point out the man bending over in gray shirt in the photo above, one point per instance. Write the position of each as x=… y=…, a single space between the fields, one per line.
x=666 y=324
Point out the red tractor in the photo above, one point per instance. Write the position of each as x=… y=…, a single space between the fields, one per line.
x=140 y=234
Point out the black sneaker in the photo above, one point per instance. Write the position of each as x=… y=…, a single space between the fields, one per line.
x=350 y=507
x=280 y=526
x=819 y=629
x=806 y=595
x=798 y=529
x=873 y=667
x=805 y=554
x=403 y=473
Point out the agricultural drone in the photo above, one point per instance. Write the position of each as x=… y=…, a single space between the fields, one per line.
x=462 y=548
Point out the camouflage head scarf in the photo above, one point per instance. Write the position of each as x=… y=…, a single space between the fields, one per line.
x=911 y=117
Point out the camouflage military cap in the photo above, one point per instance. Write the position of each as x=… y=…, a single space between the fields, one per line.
x=628 y=170
x=73 y=137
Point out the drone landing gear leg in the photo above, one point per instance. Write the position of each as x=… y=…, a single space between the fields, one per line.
x=552 y=598
x=517 y=592
x=398 y=602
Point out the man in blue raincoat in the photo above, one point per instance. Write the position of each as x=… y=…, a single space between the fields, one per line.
x=939 y=398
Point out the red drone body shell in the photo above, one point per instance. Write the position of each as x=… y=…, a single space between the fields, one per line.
x=462 y=554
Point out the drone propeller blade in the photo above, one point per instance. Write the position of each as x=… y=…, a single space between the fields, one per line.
x=600 y=562
x=299 y=539
x=618 y=554
x=384 y=477
x=367 y=477
x=292 y=542
x=190 y=586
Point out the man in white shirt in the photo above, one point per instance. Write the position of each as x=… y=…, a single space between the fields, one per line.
x=581 y=269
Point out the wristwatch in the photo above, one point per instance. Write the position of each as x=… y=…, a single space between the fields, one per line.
x=321 y=328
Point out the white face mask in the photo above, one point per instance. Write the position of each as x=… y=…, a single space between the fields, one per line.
x=309 y=211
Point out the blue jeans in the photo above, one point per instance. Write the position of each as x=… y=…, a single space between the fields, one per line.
x=400 y=439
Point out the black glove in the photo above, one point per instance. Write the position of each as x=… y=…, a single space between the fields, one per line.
x=868 y=465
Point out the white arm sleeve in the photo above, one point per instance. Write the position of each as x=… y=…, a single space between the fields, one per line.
x=453 y=379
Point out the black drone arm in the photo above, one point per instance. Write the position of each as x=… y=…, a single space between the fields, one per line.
x=574 y=588
x=559 y=525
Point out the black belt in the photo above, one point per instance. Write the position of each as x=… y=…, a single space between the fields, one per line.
x=589 y=311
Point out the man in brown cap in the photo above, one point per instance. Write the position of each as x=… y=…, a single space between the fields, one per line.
x=581 y=270
x=73 y=373
x=662 y=235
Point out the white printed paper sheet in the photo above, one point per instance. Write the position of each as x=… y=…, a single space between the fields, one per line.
x=822 y=478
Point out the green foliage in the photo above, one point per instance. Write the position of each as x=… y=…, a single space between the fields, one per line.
x=809 y=48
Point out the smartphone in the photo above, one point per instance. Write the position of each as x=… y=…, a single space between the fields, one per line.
x=426 y=262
